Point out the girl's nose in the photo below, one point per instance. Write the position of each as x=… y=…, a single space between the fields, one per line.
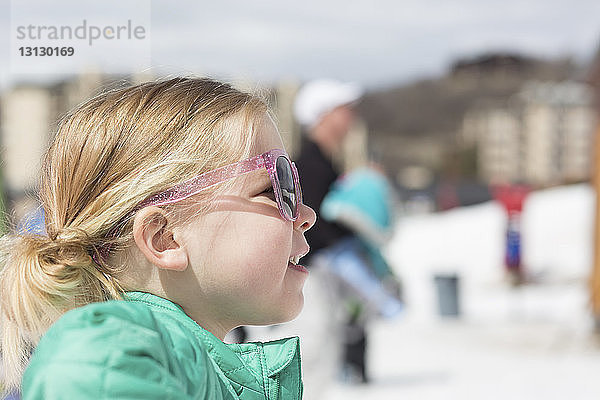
x=306 y=218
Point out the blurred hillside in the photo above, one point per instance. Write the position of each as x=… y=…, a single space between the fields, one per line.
x=434 y=107
x=419 y=123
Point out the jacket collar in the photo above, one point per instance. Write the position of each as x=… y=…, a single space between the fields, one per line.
x=241 y=363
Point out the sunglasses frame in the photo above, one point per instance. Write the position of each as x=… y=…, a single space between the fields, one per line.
x=203 y=181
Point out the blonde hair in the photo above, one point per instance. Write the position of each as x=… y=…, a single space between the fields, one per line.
x=108 y=155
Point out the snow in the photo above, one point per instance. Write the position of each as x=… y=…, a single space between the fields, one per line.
x=532 y=342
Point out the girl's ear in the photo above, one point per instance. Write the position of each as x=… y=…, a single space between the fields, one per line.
x=156 y=242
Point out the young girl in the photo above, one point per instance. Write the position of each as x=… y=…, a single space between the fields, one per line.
x=173 y=215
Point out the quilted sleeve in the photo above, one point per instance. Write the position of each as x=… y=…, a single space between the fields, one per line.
x=110 y=350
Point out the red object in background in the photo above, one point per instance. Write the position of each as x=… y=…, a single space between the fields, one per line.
x=512 y=198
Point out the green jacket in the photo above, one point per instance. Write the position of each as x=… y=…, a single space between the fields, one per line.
x=148 y=348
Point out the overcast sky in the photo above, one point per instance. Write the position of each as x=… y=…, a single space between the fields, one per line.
x=373 y=42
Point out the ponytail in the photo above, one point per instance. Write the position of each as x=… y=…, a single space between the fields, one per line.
x=40 y=279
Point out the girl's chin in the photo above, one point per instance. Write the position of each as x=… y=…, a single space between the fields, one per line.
x=292 y=311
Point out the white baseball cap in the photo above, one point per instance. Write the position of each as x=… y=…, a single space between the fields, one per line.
x=318 y=97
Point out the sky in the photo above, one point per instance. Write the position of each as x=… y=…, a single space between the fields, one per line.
x=375 y=43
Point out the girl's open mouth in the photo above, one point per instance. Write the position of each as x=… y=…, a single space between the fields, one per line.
x=298 y=267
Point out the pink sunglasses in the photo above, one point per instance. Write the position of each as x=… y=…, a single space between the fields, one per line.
x=282 y=172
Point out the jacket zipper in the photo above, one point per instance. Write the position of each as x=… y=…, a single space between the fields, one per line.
x=276 y=387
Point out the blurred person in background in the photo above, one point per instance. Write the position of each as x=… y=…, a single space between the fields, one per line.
x=342 y=267
x=325 y=111
x=364 y=201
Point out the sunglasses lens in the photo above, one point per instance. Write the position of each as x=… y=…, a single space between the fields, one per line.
x=286 y=183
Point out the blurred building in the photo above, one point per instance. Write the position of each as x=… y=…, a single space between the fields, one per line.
x=284 y=94
x=496 y=134
x=431 y=123
x=543 y=135
x=29 y=116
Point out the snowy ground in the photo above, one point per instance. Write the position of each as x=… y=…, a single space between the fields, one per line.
x=534 y=342
x=522 y=353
